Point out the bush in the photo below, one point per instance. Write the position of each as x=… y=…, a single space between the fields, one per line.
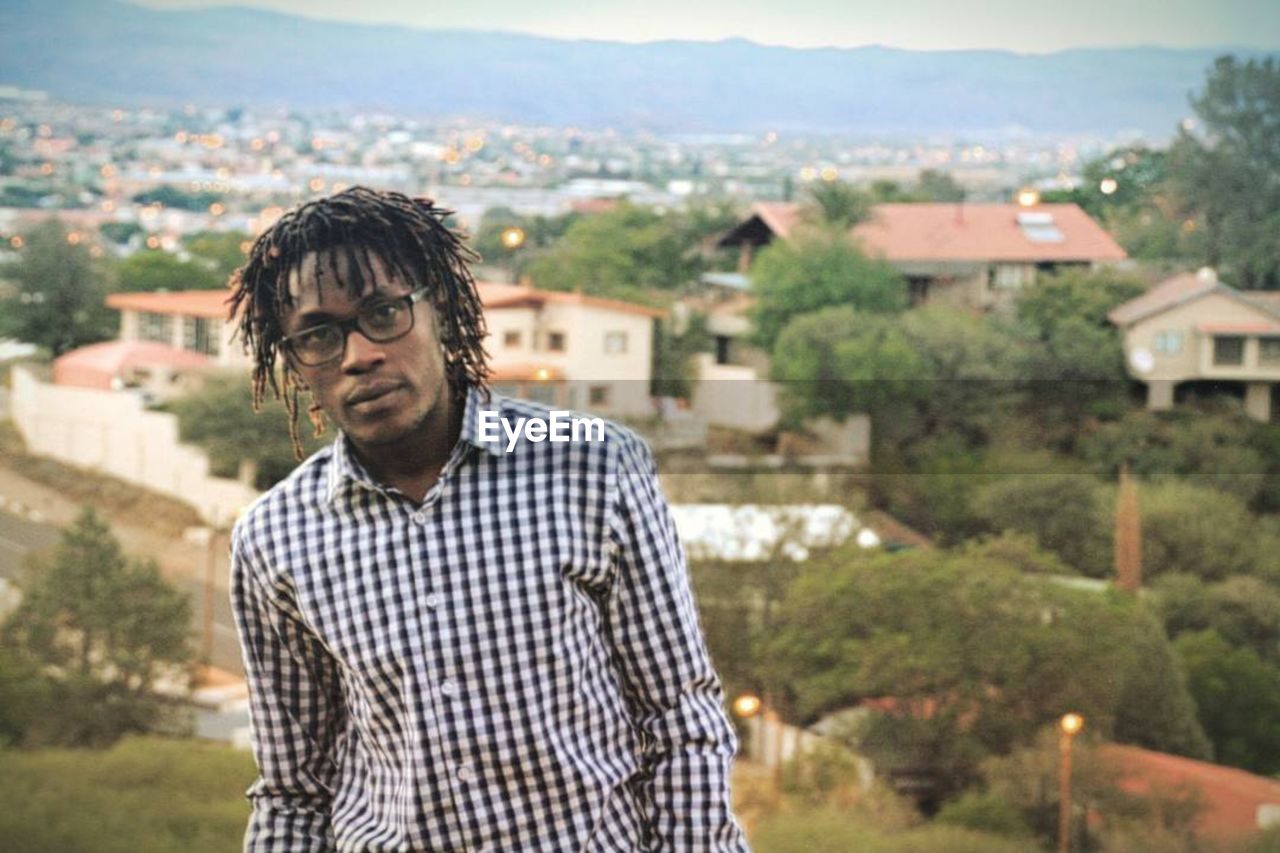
x=984 y=812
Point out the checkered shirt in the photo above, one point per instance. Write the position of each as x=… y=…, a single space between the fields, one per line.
x=513 y=664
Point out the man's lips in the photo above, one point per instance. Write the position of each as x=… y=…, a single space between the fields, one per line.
x=371 y=392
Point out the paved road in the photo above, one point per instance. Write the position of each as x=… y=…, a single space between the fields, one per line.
x=18 y=536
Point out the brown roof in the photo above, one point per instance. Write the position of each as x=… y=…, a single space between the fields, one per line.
x=1231 y=796
x=941 y=232
x=190 y=303
x=1183 y=288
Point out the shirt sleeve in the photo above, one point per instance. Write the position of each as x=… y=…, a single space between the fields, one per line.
x=295 y=708
x=672 y=690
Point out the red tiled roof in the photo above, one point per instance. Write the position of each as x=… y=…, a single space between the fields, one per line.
x=189 y=303
x=1231 y=796
x=95 y=365
x=982 y=232
x=940 y=232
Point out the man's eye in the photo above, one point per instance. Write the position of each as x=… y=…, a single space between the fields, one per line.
x=318 y=338
x=383 y=314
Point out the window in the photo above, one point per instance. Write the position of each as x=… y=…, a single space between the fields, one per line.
x=1269 y=352
x=198 y=335
x=1228 y=350
x=598 y=395
x=1168 y=342
x=155 y=327
x=555 y=341
x=615 y=343
x=1009 y=277
x=722 y=349
x=511 y=339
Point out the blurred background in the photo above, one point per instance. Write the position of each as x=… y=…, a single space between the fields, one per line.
x=955 y=329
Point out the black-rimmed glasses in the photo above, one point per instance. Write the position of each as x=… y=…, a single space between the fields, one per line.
x=381 y=321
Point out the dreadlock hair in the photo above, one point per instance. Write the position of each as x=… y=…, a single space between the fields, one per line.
x=408 y=234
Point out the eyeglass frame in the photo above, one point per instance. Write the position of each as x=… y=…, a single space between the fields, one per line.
x=353 y=324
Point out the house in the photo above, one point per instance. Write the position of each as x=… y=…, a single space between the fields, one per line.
x=1194 y=328
x=976 y=256
x=569 y=349
x=564 y=349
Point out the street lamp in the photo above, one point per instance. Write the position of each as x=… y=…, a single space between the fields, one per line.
x=769 y=730
x=1068 y=727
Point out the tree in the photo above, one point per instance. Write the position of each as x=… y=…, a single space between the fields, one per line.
x=171 y=196
x=222 y=250
x=1243 y=610
x=153 y=270
x=673 y=354
x=1062 y=511
x=103 y=628
x=220 y=419
x=935 y=185
x=1206 y=448
x=628 y=253
x=60 y=299
x=1200 y=531
x=539 y=234
x=838 y=204
x=819 y=268
x=1226 y=173
x=1238 y=697
x=969 y=655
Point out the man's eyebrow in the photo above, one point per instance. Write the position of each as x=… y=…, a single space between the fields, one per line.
x=317 y=316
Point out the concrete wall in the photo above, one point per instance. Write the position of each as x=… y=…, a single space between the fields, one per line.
x=110 y=432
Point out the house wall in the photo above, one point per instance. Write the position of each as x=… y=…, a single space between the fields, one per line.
x=584 y=362
x=112 y=433
x=1194 y=361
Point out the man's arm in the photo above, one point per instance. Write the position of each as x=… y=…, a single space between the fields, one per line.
x=295 y=708
x=670 y=686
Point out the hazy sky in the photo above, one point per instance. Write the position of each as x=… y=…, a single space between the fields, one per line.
x=1031 y=26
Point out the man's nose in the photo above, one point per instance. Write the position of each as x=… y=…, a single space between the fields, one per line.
x=361 y=353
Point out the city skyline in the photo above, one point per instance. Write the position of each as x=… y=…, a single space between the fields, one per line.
x=910 y=24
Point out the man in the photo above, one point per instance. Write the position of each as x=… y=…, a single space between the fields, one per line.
x=450 y=646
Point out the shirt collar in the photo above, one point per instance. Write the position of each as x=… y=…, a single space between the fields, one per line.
x=346 y=470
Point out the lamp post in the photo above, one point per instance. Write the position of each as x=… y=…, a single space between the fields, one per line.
x=1068 y=727
x=749 y=705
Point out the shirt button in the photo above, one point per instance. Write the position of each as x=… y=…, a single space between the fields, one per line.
x=465 y=773
x=433 y=600
x=420 y=517
x=449 y=687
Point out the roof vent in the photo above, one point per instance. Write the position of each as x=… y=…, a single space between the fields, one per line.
x=1207 y=275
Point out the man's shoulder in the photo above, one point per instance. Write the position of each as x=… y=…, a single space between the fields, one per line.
x=304 y=490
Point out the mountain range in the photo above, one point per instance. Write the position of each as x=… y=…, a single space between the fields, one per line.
x=111 y=52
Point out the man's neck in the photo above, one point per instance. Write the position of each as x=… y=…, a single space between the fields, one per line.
x=413 y=465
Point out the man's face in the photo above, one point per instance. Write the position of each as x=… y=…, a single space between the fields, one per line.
x=377 y=393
